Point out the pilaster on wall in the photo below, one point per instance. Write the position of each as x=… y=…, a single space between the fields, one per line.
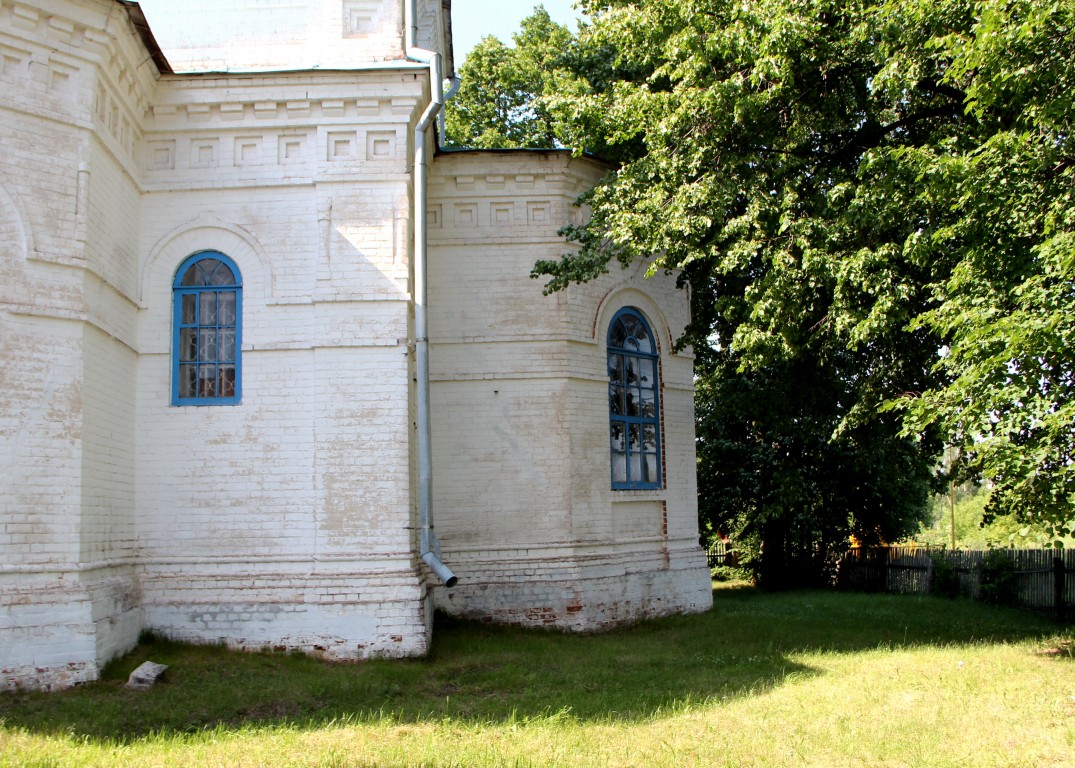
x=80 y=64
x=76 y=82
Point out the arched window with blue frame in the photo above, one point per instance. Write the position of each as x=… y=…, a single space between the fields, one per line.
x=207 y=304
x=634 y=408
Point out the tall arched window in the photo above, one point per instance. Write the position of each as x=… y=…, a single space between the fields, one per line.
x=634 y=409
x=207 y=297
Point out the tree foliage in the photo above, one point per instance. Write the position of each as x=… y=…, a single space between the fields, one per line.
x=771 y=473
x=499 y=104
x=872 y=202
x=1007 y=307
x=506 y=91
x=879 y=189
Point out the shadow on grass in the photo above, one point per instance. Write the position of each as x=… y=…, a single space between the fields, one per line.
x=482 y=673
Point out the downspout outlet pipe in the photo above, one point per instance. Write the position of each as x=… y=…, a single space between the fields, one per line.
x=443 y=572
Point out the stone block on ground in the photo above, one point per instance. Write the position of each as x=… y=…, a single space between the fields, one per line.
x=146 y=675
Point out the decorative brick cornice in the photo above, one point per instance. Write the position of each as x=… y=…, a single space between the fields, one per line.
x=230 y=111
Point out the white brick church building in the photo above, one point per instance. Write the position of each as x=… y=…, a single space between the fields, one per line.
x=262 y=345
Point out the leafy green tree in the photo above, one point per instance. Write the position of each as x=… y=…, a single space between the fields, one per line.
x=739 y=132
x=880 y=191
x=967 y=515
x=499 y=104
x=1007 y=307
x=872 y=203
x=771 y=474
x=506 y=91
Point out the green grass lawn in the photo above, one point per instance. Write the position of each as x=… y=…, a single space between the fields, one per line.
x=799 y=679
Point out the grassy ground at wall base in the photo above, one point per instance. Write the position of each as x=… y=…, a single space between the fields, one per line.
x=796 y=679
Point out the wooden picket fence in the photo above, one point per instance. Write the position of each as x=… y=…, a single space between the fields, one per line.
x=1043 y=578
x=722 y=553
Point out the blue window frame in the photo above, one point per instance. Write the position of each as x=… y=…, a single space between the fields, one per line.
x=207 y=311
x=634 y=408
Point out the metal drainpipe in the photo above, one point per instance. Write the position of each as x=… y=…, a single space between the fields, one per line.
x=428 y=545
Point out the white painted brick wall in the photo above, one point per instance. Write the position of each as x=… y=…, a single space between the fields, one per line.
x=285 y=520
x=47 y=641
x=67 y=320
x=288 y=520
x=521 y=483
x=244 y=35
x=154 y=514
x=41 y=428
x=346 y=611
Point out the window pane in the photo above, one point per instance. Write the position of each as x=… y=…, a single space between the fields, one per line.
x=189 y=316
x=617 y=434
x=192 y=276
x=188 y=344
x=615 y=400
x=634 y=407
x=645 y=373
x=648 y=408
x=634 y=457
x=227 y=346
x=617 y=438
x=186 y=380
x=207 y=345
x=651 y=469
x=207 y=381
x=227 y=381
x=617 y=335
x=207 y=310
x=642 y=339
x=217 y=273
x=649 y=438
x=615 y=368
x=226 y=307
x=206 y=268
